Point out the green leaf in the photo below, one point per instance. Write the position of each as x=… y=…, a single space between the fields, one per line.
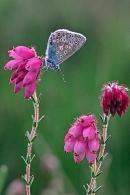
x=33 y=100
x=24 y=179
x=31 y=180
x=99 y=173
x=28 y=136
x=102 y=141
x=105 y=119
x=41 y=119
x=90 y=191
x=95 y=190
x=105 y=155
x=32 y=158
x=39 y=98
x=24 y=160
x=34 y=137
x=107 y=138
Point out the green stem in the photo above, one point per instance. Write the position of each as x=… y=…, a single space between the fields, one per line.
x=28 y=178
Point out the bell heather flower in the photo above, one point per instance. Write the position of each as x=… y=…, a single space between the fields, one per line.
x=26 y=67
x=114 y=99
x=83 y=139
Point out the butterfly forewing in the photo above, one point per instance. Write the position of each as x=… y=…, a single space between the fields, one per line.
x=61 y=45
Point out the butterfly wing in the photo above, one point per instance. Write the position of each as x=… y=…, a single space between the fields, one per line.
x=61 y=45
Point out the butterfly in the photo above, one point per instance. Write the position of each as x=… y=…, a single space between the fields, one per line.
x=61 y=45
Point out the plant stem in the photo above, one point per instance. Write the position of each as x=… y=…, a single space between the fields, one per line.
x=102 y=147
x=29 y=179
x=95 y=168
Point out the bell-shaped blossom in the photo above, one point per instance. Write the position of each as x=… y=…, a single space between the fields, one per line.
x=26 y=67
x=82 y=138
x=114 y=99
x=90 y=156
x=80 y=146
x=89 y=133
x=93 y=144
x=86 y=120
x=22 y=52
x=69 y=145
x=75 y=130
x=79 y=158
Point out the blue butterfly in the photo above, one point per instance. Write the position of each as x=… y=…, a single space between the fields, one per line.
x=61 y=45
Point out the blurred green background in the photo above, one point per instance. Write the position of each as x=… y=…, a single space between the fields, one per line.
x=105 y=57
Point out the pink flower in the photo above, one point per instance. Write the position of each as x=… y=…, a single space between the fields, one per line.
x=26 y=67
x=90 y=156
x=86 y=120
x=82 y=138
x=114 y=99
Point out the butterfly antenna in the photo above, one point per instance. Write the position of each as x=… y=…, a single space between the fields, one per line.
x=62 y=75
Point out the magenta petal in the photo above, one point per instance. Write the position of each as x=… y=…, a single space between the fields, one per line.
x=108 y=96
x=90 y=156
x=21 y=76
x=79 y=158
x=33 y=64
x=93 y=145
x=112 y=109
x=13 y=55
x=117 y=93
x=105 y=106
x=12 y=64
x=67 y=137
x=24 y=52
x=30 y=78
x=76 y=130
x=12 y=82
x=22 y=67
x=80 y=146
x=86 y=120
x=18 y=87
x=14 y=75
x=89 y=133
x=125 y=98
x=29 y=90
x=69 y=145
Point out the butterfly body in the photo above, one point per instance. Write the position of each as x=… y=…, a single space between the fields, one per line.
x=61 y=45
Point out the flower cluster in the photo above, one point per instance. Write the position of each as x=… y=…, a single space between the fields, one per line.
x=26 y=66
x=83 y=139
x=114 y=99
